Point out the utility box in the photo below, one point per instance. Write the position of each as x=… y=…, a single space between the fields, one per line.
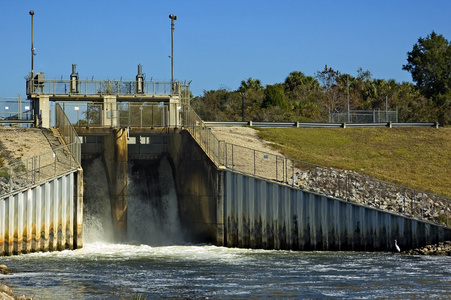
x=35 y=83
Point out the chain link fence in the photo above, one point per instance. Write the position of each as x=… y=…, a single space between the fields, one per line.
x=364 y=116
x=15 y=108
x=36 y=170
x=48 y=165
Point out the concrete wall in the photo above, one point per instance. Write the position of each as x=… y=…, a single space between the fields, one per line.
x=45 y=217
x=261 y=214
x=115 y=156
x=198 y=184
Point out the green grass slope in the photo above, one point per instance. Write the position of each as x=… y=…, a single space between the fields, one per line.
x=418 y=158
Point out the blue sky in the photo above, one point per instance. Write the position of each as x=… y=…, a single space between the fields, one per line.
x=216 y=43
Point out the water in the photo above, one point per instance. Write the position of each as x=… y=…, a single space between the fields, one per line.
x=152 y=213
x=156 y=262
x=112 y=271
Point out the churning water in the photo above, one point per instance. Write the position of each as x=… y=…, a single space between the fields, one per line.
x=97 y=220
x=157 y=264
x=115 y=271
x=152 y=213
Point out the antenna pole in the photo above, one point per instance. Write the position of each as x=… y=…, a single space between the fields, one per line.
x=32 y=48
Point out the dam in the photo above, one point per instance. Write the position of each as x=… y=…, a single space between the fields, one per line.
x=146 y=142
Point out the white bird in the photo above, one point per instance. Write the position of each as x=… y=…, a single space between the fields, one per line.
x=397 y=247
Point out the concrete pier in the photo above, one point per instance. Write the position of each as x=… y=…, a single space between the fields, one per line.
x=115 y=157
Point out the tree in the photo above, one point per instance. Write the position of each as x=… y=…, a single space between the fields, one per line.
x=329 y=79
x=274 y=96
x=251 y=84
x=429 y=62
x=293 y=80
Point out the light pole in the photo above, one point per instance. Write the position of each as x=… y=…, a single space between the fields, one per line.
x=173 y=18
x=32 y=48
x=242 y=106
x=347 y=96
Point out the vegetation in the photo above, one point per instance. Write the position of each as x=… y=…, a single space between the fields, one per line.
x=4 y=172
x=418 y=158
x=311 y=98
x=429 y=62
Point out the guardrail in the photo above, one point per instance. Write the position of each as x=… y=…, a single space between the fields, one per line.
x=343 y=184
x=322 y=125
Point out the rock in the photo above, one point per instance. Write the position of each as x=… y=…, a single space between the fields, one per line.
x=5 y=270
x=442 y=248
x=7 y=294
x=6 y=290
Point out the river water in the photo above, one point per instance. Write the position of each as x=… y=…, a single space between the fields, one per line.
x=116 y=271
x=156 y=263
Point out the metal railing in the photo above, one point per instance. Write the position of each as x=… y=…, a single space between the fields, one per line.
x=102 y=87
x=68 y=133
x=347 y=185
x=15 y=110
x=320 y=125
x=364 y=116
x=123 y=114
x=37 y=170
x=43 y=167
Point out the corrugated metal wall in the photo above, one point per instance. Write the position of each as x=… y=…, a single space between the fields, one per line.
x=40 y=218
x=262 y=214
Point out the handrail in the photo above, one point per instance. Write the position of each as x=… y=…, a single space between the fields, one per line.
x=102 y=87
x=48 y=165
x=37 y=169
x=68 y=133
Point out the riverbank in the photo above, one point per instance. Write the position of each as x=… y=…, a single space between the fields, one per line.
x=442 y=248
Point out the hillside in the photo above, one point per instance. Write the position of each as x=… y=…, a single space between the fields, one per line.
x=418 y=158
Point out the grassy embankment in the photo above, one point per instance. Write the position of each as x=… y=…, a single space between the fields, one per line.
x=418 y=158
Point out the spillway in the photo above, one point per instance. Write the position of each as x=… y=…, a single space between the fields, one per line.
x=152 y=212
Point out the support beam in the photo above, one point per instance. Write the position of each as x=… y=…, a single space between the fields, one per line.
x=42 y=111
x=115 y=157
x=78 y=209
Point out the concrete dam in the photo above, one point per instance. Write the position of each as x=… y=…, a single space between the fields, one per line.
x=142 y=167
x=177 y=193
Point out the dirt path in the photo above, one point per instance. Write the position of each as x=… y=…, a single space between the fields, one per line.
x=243 y=136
